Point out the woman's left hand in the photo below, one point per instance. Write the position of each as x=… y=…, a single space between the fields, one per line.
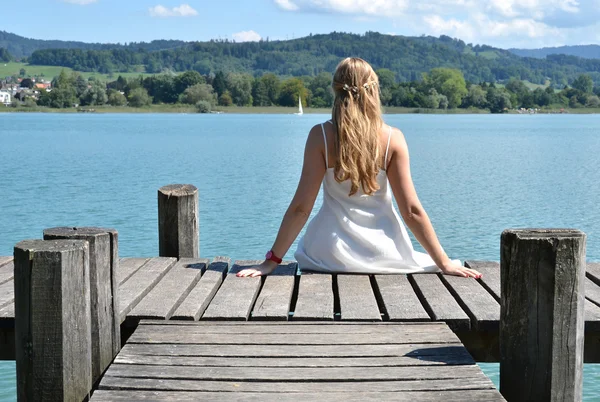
x=258 y=270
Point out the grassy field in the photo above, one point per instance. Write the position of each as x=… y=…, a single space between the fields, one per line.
x=49 y=72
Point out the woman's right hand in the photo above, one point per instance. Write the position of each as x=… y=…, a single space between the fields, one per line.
x=454 y=268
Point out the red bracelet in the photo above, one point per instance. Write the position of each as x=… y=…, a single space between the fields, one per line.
x=272 y=257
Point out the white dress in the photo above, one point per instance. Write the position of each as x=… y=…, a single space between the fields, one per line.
x=359 y=233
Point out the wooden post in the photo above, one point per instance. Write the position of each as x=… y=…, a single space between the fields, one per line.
x=52 y=320
x=178 y=221
x=541 y=315
x=104 y=263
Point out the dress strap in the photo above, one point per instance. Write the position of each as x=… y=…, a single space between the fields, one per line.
x=387 y=148
x=326 y=153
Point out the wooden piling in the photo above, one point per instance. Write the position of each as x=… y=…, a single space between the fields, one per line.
x=104 y=261
x=52 y=326
x=542 y=314
x=178 y=221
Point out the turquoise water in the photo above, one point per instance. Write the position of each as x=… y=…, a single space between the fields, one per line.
x=476 y=175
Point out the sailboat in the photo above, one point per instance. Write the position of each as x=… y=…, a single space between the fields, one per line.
x=300 y=111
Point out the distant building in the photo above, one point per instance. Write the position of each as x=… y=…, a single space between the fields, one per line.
x=5 y=98
x=42 y=85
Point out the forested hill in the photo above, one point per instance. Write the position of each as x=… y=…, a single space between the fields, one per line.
x=585 y=51
x=19 y=46
x=407 y=57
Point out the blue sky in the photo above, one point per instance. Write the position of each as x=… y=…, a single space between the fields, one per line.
x=502 y=23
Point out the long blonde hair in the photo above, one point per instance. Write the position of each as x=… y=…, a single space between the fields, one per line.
x=357 y=117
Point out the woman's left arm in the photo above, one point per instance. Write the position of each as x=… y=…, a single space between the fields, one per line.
x=313 y=171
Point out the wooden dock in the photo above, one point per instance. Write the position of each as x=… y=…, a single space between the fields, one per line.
x=198 y=289
x=304 y=361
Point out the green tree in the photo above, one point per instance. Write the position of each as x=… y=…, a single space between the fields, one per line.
x=593 y=101
x=225 y=99
x=476 y=97
x=80 y=84
x=320 y=88
x=5 y=56
x=272 y=85
x=291 y=89
x=219 y=83
x=240 y=87
x=584 y=83
x=94 y=96
x=197 y=93
x=139 y=98
x=26 y=83
x=449 y=82
x=22 y=72
x=498 y=100
x=186 y=80
x=260 y=97
x=203 y=107
x=161 y=88
x=116 y=98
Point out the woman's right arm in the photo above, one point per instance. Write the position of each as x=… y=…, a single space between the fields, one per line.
x=412 y=211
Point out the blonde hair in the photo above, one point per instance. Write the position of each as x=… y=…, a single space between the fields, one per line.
x=357 y=117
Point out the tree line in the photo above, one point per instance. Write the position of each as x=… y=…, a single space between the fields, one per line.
x=440 y=88
x=407 y=57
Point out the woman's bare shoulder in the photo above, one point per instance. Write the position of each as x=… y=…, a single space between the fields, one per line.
x=397 y=140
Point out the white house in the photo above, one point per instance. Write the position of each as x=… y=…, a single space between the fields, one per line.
x=5 y=98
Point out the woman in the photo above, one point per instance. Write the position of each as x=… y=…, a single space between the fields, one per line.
x=358 y=158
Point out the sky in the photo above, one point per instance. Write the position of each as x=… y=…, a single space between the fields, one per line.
x=500 y=23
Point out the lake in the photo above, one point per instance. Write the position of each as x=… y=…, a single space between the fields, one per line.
x=476 y=175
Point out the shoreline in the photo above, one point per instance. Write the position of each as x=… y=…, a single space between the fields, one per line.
x=187 y=109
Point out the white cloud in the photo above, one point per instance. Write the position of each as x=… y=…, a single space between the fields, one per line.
x=504 y=23
x=80 y=2
x=246 y=36
x=184 y=10
x=286 y=5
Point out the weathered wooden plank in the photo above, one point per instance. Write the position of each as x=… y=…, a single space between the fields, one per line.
x=592 y=271
x=592 y=317
x=478 y=303
x=273 y=302
x=7 y=293
x=235 y=297
x=140 y=283
x=300 y=324
x=128 y=266
x=357 y=300
x=185 y=335
x=201 y=295
x=438 y=302
x=53 y=325
x=7 y=272
x=295 y=373
x=413 y=396
x=490 y=279
x=7 y=312
x=455 y=355
x=592 y=291
x=315 y=298
x=417 y=350
x=302 y=327
x=5 y=259
x=399 y=299
x=178 y=234
x=542 y=315
x=324 y=388
x=165 y=296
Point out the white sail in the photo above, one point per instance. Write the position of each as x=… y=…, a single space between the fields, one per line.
x=300 y=111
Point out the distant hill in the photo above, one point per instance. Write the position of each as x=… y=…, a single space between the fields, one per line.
x=20 y=47
x=407 y=57
x=585 y=51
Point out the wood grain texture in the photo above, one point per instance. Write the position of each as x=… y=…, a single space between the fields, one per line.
x=273 y=302
x=162 y=300
x=542 y=314
x=202 y=294
x=357 y=300
x=490 y=279
x=439 y=303
x=7 y=293
x=412 y=396
x=236 y=296
x=315 y=298
x=5 y=260
x=53 y=325
x=593 y=272
x=476 y=301
x=7 y=272
x=178 y=233
x=140 y=283
x=399 y=299
x=128 y=266
x=104 y=295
